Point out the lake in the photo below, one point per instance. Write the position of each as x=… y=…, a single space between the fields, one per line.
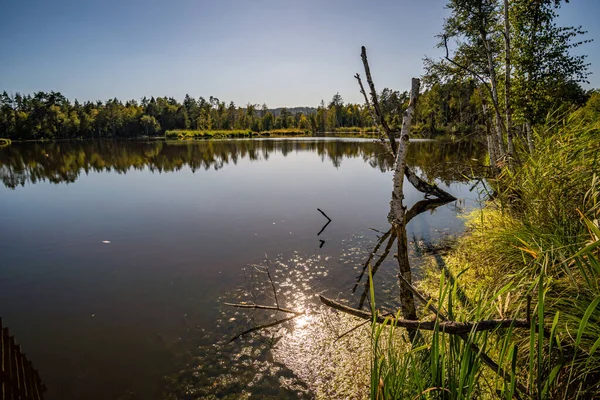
x=117 y=257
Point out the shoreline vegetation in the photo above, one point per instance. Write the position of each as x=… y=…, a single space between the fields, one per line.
x=446 y=109
x=247 y=133
x=530 y=252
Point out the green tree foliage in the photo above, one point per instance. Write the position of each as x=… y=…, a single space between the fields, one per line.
x=450 y=107
x=546 y=74
x=149 y=124
x=52 y=116
x=511 y=49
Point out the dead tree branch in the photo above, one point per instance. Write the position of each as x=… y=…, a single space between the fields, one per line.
x=382 y=258
x=272 y=283
x=450 y=327
x=373 y=115
x=262 y=307
x=265 y=326
x=324 y=226
x=425 y=187
x=371 y=255
x=325 y=215
x=375 y=101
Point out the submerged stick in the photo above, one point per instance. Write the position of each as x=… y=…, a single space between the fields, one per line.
x=374 y=270
x=371 y=255
x=261 y=307
x=351 y=330
x=325 y=215
x=324 y=226
x=257 y=328
x=271 y=280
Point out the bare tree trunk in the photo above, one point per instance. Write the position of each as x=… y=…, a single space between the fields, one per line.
x=407 y=300
x=529 y=136
x=417 y=182
x=494 y=92
x=509 y=133
x=397 y=209
x=397 y=214
x=499 y=139
x=491 y=137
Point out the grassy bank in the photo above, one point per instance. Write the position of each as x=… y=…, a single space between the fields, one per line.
x=216 y=134
x=245 y=133
x=539 y=239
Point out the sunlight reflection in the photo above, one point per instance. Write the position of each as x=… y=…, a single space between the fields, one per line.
x=303 y=321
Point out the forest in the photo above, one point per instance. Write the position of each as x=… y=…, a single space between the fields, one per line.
x=447 y=106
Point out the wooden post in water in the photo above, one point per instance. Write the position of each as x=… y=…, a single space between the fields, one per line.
x=18 y=379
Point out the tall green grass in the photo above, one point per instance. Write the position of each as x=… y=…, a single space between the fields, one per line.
x=539 y=238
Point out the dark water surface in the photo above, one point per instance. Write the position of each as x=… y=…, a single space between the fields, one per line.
x=185 y=222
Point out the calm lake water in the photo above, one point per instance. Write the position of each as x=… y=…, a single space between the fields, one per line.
x=116 y=258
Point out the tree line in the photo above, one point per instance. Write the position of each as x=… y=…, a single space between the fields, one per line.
x=53 y=116
x=507 y=65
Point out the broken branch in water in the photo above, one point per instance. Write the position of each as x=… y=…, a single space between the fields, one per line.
x=261 y=307
x=450 y=327
x=324 y=226
x=271 y=280
x=265 y=326
x=374 y=270
x=325 y=215
x=425 y=187
x=371 y=255
x=351 y=330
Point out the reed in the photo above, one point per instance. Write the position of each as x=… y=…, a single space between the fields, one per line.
x=538 y=239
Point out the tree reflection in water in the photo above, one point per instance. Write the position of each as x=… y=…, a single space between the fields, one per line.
x=64 y=162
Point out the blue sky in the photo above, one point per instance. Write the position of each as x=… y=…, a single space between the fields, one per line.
x=284 y=53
